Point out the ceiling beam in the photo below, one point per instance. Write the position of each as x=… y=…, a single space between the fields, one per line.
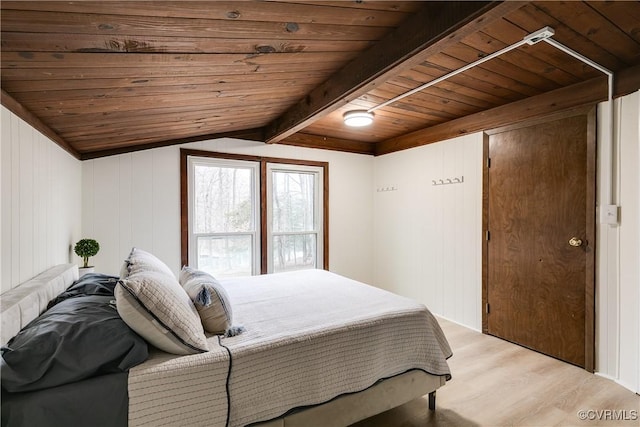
x=308 y=140
x=578 y=95
x=435 y=26
x=19 y=110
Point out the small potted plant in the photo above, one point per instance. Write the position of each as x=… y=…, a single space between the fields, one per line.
x=86 y=248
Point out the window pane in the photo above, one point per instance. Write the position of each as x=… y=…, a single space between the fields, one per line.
x=224 y=256
x=223 y=199
x=293 y=198
x=294 y=252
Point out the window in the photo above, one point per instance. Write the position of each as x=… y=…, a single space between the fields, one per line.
x=224 y=226
x=294 y=217
x=244 y=215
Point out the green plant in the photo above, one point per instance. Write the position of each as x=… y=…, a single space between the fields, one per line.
x=86 y=248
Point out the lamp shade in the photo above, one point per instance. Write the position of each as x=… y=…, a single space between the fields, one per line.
x=358 y=118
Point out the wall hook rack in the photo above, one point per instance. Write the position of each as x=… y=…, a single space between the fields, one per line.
x=447 y=181
x=388 y=188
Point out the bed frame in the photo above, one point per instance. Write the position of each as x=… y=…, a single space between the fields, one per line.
x=22 y=304
x=351 y=408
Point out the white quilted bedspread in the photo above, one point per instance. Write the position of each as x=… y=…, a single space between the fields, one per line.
x=310 y=336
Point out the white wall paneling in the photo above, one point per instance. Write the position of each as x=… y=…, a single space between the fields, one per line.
x=5 y=184
x=606 y=272
x=25 y=196
x=134 y=200
x=629 y=141
x=428 y=237
x=618 y=279
x=124 y=207
x=41 y=202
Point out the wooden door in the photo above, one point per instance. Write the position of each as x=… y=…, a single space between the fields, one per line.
x=539 y=211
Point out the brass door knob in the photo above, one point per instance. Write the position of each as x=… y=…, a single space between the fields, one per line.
x=575 y=242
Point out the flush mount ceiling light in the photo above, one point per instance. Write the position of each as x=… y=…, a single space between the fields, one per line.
x=358 y=118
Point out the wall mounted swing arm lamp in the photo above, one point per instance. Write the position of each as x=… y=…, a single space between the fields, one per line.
x=358 y=118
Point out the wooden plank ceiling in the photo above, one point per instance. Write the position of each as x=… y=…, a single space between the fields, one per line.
x=109 y=77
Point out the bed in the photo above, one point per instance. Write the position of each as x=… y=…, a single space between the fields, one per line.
x=317 y=349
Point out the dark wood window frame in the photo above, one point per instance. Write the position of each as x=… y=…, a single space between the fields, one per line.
x=184 y=199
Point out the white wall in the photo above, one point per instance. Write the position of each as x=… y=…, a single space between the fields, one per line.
x=428 y=239
x=40 y=207
x=134 y=200
x=618 y=278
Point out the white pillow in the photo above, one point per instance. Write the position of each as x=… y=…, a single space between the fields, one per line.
x=210 y=298
x=139 y=260
x=155 y=306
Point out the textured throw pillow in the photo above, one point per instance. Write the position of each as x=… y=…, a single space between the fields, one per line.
x=78 y=338
x=154 y=305
x=210 y=299
x=139 y=260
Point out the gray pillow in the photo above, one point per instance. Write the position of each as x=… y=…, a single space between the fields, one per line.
x=210 y=298
x=154 y=305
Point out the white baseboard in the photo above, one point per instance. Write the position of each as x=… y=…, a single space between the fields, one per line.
x=457 y=323
x=617 y=381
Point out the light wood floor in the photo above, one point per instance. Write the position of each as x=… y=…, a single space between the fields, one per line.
x=496 y=383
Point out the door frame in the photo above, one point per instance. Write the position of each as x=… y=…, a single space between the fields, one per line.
x=590 y=314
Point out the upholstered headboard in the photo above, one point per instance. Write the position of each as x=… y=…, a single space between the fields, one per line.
x=28 y=300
